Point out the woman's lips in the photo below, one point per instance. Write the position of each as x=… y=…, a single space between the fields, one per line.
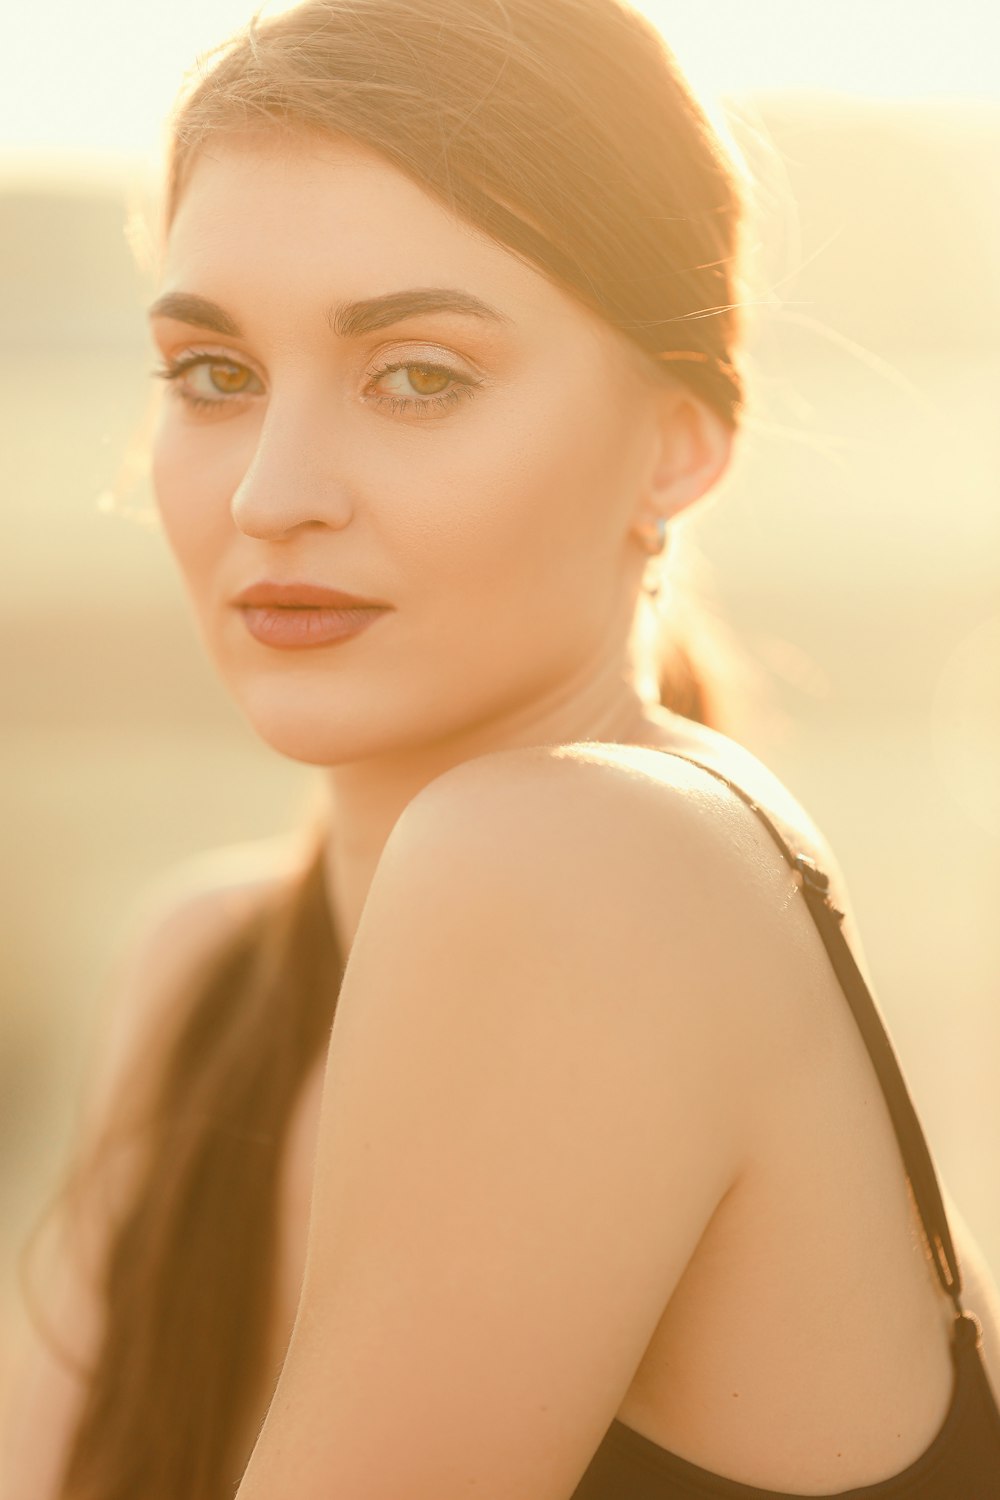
x=291 y=627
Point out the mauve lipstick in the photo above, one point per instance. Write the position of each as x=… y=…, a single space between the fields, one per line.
x=291 y=616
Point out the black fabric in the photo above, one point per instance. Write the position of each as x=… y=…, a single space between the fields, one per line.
x=963 y=1461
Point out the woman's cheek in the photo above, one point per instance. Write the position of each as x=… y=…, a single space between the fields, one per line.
x=168 y=489
x=193 y=492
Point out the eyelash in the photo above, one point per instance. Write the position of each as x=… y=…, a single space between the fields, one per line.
x=175 y=370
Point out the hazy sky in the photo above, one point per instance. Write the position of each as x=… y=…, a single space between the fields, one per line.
x=95 y=78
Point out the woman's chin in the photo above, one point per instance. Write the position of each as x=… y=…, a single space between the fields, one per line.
x=310 y=726
x=310 y=738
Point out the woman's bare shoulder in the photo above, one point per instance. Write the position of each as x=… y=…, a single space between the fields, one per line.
x=191 y=908
x=596 y=781
x=199 y=898
x=176 y=923
x=773 y=797
x=648 y=832
x=180 y=918
x=659 y=836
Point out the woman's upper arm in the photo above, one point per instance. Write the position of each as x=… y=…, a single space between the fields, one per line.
x=526 y=1127
x=177 y=924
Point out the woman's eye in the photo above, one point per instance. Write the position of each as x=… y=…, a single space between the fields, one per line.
x=204 y=380
x=229 y=380
x=209 y=381
x=426 y=380
x=414 y=387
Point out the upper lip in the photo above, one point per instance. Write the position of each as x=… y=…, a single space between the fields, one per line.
x=303 y=595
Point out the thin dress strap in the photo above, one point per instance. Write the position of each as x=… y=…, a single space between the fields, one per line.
x=815 y=885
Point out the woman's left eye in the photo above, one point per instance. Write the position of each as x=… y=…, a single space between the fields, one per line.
x=419 y=387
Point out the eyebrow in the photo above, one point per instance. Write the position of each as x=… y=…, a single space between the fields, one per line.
x=348 y=319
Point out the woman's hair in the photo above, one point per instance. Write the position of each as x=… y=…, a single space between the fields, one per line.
x=562 y=129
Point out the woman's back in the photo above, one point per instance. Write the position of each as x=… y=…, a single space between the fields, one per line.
x=806 y=1347
x=815 y=1340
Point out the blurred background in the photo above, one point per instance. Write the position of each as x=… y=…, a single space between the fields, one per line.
x=852 y=552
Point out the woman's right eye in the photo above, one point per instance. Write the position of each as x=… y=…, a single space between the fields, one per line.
x=207 y=380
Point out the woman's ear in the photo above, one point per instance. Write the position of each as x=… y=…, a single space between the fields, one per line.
x=691 y=449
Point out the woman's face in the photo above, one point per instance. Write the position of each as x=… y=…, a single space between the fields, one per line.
x=478 y=468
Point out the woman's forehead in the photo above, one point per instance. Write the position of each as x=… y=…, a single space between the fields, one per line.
x=326 y=204
x=332 y=220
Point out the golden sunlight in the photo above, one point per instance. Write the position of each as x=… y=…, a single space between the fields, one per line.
x=95 y=81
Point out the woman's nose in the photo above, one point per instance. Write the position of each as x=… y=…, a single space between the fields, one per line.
x=292 y=480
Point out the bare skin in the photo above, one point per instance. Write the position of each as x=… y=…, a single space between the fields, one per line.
x=814 y=1307
x=509 y=528
x=506 y=528
x=718 y=1327
x=508 y=531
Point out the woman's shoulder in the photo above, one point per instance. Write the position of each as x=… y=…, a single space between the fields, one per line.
x=199 y=902
x=680 y=869
x=678 y=872
x=674 y=773
x=672 y=780
x=227 y=878
x=767 y=800
x=181 y=917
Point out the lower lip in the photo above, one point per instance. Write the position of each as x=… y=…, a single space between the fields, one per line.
x=294 y=628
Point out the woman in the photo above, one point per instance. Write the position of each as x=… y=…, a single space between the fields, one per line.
x=604 y=1183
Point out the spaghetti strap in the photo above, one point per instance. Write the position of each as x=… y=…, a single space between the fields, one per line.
x=815 y=885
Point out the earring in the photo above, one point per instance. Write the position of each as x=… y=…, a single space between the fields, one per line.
x=661 y=537
x=652 y=590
